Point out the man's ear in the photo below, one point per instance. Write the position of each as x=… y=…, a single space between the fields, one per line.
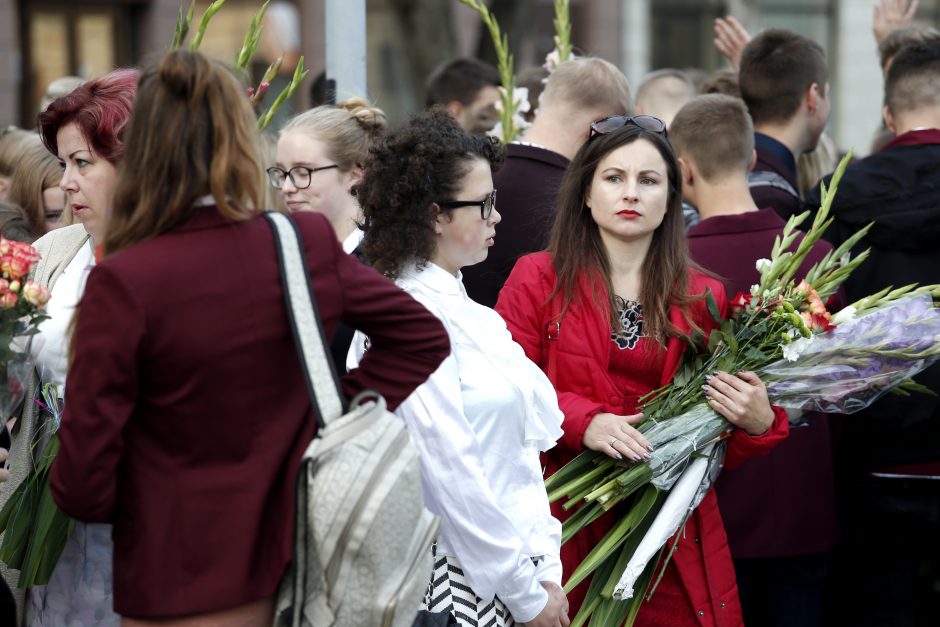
x=889 y=119
x=753 y=163
x=688 y=176
x=4 y=186
x=814 y=95
x=455 y=108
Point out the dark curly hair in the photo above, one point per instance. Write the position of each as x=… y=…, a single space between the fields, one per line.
x=411 y=169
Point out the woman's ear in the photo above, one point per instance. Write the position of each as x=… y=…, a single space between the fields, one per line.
x=354 y=177
x=440 y=218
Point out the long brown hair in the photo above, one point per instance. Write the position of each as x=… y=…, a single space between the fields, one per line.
x=577 y=250
x=192 y=134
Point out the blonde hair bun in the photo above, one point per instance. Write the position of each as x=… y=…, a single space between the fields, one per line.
x=371 y=118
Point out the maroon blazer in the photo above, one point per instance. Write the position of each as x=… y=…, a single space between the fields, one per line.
x=187 y=412
x=782 y=504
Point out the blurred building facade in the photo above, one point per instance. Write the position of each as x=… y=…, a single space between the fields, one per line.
x=41 y=40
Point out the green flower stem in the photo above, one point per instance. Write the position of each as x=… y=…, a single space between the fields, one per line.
x=562 y=23
x=506 y=71
x=204 y=24
x=252 y=39
x=299 y=75
x=183 y=22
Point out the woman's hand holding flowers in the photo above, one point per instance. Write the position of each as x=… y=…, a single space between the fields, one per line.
x=742 y=400
x=615 y=436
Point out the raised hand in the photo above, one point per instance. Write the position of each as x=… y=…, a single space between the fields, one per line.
x=730 y=39
x=891 y=15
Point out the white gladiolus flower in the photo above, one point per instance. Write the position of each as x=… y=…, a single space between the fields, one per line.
x=763 y=264
x=843 y=316
x=792 y=352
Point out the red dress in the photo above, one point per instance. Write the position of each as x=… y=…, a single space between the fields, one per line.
x=579 y=351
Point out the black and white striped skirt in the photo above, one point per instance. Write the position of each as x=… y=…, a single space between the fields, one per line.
x=449 y=592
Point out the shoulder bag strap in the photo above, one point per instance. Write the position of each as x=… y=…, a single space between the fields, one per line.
x=305 y=319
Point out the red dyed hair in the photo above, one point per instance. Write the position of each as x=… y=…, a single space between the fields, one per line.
x=101 y=108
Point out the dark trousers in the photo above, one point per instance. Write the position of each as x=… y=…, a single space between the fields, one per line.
x=7 y=605
x=782 y=591
x=886 y=569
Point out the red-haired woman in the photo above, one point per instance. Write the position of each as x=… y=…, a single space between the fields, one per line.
x=603 y=311
x=84 y=130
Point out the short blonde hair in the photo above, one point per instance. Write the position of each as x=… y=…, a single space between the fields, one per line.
x=589 y=83
x=715 y=132
x=349 y=130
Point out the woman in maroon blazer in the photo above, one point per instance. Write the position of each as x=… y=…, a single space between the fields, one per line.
x=187 y=412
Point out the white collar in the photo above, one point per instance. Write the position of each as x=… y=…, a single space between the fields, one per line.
x=352 y=241
x=435 y=277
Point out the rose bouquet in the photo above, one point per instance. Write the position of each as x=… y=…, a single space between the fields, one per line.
x=22 y=304
x=807 y=358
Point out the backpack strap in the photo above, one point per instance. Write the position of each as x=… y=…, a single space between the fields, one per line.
x=305 y=319
x=768 y=178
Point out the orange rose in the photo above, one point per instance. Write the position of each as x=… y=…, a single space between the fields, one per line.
x=36 y=294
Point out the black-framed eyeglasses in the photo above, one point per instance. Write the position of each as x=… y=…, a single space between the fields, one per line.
x=610 y=124
x=486 y=205
x=299 y=175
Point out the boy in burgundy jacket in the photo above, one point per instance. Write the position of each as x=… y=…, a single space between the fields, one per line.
x=779 y=509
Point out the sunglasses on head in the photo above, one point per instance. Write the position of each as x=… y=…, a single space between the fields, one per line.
x=610 y=124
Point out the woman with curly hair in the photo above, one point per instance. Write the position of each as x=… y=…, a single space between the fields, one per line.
x=482 y=419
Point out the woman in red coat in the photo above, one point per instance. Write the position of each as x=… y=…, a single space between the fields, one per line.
x=188 y=412
x=602 y=312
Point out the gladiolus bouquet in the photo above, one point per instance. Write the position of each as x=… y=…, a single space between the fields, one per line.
x=807 y=358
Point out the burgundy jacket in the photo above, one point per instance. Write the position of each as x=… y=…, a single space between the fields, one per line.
x=187 y=412
x=585 y=389
x=782 y=504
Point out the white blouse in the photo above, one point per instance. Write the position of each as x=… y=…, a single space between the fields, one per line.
x=479 y=423
x=51 y=346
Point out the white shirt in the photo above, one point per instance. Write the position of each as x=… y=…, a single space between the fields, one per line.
x=352 y=241
x=51 y=348
x=479 y=423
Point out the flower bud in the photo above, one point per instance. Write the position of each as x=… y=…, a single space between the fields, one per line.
x=788 y=306
x=14 y=286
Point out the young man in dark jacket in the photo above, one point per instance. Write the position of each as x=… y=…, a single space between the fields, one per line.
x=784 y=81
x=889 y=455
